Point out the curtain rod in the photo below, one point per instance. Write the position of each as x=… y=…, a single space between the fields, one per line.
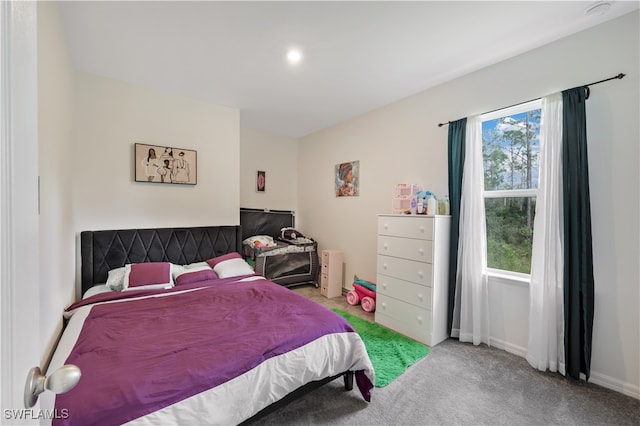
x=619 y=76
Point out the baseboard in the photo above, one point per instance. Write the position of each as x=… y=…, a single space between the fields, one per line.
x=595 y=378
x=615 y=384
x=509 y=347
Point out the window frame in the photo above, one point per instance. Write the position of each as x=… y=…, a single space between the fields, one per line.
x=512 y=276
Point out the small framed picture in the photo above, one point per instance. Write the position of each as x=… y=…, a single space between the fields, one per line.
x=261 y=181
x=347 y=179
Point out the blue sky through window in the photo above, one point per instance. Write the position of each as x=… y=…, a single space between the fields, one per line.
x=511 y=153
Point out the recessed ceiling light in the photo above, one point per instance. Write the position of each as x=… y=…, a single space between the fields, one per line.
x=598 y=9
x=294 y=56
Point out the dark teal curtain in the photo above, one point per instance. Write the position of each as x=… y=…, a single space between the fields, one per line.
x=578 y=255
x=457 y=131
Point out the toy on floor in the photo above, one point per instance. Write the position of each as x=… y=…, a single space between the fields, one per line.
x=364 y=292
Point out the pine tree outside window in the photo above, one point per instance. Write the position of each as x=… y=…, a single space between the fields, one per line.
x=511 y=146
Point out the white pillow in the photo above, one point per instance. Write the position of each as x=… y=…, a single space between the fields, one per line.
x=115 y=280
x=233 y=268
x=176 y=270
x=96 y=289
x=197 y=265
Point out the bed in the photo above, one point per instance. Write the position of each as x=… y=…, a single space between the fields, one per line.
x=207 y=350
x=286 y=261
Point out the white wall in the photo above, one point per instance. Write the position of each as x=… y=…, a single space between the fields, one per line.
x=87 y=126
x=55 y=120
x=276 y=155
x=401 y=143
x=111 y=116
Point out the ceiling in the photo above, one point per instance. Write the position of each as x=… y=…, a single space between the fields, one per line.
x=357 y=56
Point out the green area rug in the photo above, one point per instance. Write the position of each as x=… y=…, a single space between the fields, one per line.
x=390 y=352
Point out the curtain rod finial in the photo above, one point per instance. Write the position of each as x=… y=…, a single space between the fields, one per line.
x=621 y=75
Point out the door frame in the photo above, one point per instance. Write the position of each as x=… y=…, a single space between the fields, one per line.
x=20 y=340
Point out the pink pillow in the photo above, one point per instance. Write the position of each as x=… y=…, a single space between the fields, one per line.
x=193 y=277
x=149 y=273
x=213 y=262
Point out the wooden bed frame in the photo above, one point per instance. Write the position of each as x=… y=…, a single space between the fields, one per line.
x=105 y=250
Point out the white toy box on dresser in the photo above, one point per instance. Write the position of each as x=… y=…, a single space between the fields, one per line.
x=412 y=275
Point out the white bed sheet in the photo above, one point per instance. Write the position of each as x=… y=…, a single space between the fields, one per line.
x=242 y=397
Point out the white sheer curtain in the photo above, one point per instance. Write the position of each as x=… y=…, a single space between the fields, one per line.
x=545 y=350
x=471 y=309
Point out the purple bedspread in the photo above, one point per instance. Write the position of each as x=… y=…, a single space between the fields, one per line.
x=138 y=356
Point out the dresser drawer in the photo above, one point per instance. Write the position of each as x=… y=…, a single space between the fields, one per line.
x=407 y=248
x=406 y=226
x=404 y=318
x=408 y=270
x=415 y=294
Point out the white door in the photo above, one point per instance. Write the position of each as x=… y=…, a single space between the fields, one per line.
x=20 y=340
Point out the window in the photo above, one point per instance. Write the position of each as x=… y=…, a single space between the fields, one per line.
x=510 y=148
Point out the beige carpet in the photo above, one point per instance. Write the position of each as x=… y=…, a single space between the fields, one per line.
x=340 y=302
x=460 y=384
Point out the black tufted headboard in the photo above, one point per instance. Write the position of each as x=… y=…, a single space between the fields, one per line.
x=105 y=250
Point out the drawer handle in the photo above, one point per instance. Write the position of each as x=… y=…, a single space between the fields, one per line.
x=420 y=297
x=421 y=251
x=384 y=285
x=385 y=246
x=419 y=319
x=421 y=228
x=385 y=226
x=420 y=274
x=384 y=305
x=384 y=266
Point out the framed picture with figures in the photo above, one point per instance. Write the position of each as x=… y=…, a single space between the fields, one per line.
x=165 y=164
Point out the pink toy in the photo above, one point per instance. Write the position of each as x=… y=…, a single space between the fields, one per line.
x=368 y=304
x=364 y=295
x=353 y=298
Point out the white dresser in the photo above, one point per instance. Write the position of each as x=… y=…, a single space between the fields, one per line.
x=413 y=272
